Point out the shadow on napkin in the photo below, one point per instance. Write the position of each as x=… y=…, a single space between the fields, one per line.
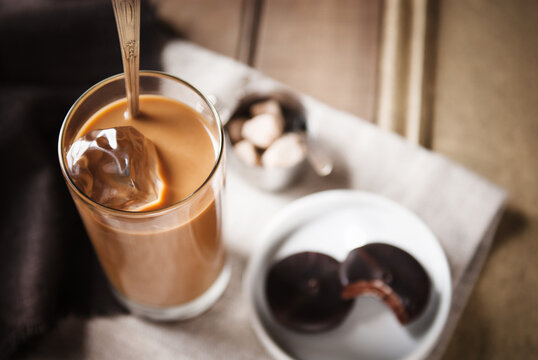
x=52 y=51
x=512 y=223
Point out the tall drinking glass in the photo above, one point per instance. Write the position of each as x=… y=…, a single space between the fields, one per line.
x=168 y=263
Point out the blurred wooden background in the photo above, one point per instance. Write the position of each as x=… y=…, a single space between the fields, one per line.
x=480 y=99
x=326 y=49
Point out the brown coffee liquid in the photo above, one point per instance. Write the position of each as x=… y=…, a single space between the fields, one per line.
x=179 y=255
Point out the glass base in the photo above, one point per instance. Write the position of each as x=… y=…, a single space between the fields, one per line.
x=185 y=311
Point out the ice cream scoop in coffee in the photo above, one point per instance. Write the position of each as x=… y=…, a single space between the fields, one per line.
x=117 y=167
x=390 y=274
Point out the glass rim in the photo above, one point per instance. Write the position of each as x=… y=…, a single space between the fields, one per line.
x=143 y=213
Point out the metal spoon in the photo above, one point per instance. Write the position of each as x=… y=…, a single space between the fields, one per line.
x=127 y=13
x=318 y=158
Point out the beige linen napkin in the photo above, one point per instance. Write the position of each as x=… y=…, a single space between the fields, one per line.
x=461 y=208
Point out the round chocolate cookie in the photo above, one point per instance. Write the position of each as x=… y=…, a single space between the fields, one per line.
x=390 y=274
x=304 y=292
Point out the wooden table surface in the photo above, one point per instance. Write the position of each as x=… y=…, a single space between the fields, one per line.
x=485 y=106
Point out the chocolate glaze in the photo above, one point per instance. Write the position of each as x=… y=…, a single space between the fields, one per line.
x=303 y=292
x=390 y=274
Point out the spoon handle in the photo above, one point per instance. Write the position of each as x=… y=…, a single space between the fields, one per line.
x=318 y=158
x=127 y=13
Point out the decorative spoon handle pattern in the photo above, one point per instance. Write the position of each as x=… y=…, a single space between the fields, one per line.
x=127 y=13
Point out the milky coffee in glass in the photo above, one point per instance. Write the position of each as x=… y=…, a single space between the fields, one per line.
x=165 y=260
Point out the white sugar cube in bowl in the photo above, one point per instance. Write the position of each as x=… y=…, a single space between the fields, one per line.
x=271 y=150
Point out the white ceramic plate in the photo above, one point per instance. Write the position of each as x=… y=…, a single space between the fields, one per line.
x=335 y=222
